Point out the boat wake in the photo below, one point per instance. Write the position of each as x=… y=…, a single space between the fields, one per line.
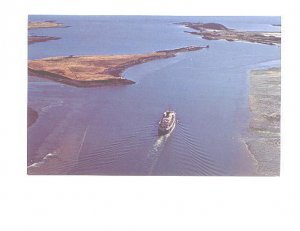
x=191 y=156
x=112 y=157
x=155 y=152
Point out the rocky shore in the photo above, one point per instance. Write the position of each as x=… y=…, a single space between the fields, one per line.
x=264 y=102
x=90 y=71
x=216 y=31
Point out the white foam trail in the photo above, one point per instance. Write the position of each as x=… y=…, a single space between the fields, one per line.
x=157 y=149
x=158 y=143
x=57 y=160
x=82 y=141
x=43 y=161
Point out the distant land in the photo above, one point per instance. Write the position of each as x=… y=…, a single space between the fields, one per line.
x=36 y=38
x=43 y=25
x=95 y=70
x=216 y=31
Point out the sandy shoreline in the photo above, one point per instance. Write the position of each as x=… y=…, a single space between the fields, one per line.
x=264 y=127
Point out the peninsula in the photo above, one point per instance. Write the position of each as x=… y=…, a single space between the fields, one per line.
x=216 y=31
x=96 y=70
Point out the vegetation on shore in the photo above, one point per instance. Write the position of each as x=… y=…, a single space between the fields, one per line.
x=216 y=31
x=97 y=70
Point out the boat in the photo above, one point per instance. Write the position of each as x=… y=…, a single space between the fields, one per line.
x=167 y=123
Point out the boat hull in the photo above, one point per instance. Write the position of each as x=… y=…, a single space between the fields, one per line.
x=167 y=123
x=162 y=131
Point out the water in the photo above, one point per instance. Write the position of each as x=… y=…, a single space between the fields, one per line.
x=113 y=130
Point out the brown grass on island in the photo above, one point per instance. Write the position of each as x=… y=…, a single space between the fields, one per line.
x=38 y=25
x=45 y=24
x=35 y=39
x=216 y=31
x=96 y=70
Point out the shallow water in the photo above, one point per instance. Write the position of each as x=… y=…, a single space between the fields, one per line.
x=113 y=130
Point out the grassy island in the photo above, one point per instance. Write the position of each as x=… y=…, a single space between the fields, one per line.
x=216 y=31
x=96 y=70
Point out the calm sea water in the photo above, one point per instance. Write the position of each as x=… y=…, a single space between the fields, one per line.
x=113 y=130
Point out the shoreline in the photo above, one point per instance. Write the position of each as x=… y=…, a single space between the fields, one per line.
x=216 y=31
x=263 y=142
x=94 y=71
x=32 y=116
x=77 y=83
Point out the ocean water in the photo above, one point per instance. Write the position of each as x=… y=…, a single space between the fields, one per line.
x=112 y=130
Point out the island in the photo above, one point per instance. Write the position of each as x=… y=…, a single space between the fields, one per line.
x=263 y=142
x=216 y=31
x=36 y=38
x=95 y=70
x=39 y=25
x=45 y=24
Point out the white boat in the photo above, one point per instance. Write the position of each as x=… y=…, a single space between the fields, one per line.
x=167 y=122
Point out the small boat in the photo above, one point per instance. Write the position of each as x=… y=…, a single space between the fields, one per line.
x=167 y=122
